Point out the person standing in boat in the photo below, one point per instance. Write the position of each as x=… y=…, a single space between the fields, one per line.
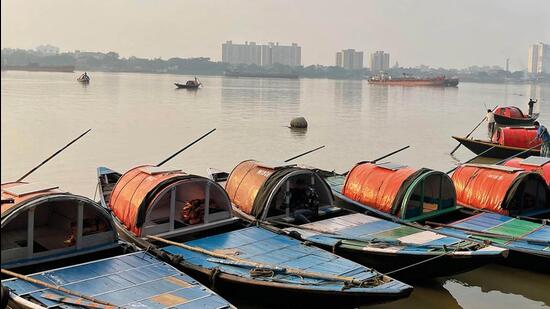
x=531 y=104
x=544 y=136
x=490 y=123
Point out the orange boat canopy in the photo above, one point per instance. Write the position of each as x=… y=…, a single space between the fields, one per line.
x=42 y=223
x=505 y=190
x=278 y=190
x=400 y=190
x=161 y=200
x=517 y=137
x=540 y=165
x=509 y=111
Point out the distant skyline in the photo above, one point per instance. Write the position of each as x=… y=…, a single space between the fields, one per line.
x=450 y=34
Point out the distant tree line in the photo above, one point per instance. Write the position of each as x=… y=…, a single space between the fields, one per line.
x=112 y=62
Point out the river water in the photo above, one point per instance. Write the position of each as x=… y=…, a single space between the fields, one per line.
x=142 y=119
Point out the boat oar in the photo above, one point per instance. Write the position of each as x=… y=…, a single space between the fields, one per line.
x=55 y=287
x=472 y=159
x=248 y=263
x=184 y=148
x=305 y=153
x=382 y=157
x=517 y=154
x=51 y=157
x=482 y=120
x=491 y=235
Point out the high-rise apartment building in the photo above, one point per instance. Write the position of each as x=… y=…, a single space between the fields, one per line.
x=538 y=61
x=247 y=53
x=379 y=61
x=339 y=59
x=265 y=55
x=349 y=59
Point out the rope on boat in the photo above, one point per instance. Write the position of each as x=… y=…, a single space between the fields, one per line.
x=56 y=287
x=421 y=262
x=348 y=281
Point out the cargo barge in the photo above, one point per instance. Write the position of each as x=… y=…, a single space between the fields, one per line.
x=440 y=81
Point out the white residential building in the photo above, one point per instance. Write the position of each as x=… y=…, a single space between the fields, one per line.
x=379 y=61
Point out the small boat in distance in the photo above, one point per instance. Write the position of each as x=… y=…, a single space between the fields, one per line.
x=407 y=80
x=190 y=84
x=513 y=116
x=84 y=78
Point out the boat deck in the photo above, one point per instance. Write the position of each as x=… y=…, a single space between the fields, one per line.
x=368 y=233
x=259 y=245
x=132 y=280
x=517 y=234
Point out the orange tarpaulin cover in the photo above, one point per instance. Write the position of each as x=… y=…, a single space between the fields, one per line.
x=18 y=199
x=517 y=137
x=244 y=182
x=131 y=190
x=375 y=186
x=510 y=111
x=483 y=187
x=543 y=170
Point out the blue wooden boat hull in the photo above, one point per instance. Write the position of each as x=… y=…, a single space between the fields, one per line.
x=259 y=245
x=133 y=280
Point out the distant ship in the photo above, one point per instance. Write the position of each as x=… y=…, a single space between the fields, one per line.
x=406 y=80
x=234 y=73
x=35 y=67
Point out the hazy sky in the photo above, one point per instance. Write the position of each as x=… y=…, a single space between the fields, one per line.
x=434 y=32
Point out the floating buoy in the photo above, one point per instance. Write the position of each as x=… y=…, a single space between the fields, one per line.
x=298 y=123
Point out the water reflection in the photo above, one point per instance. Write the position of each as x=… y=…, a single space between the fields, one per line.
x=428 y=294
x=505 y=280
x=348 y=92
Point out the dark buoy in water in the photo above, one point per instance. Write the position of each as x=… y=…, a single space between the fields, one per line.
x=298 y=123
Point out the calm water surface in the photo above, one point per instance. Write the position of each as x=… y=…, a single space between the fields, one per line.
x=141 y=119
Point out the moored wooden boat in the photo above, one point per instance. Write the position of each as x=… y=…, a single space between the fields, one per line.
x=72 y=242
x=511 y=115
x=297 y=201
x=497 y=151
x=193 y=214
x=428 y=197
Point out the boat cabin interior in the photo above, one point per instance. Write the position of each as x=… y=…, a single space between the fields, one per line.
x=178 y=205
x=186 y=206
x=299 y=197
x=45 y=224
x=430 y=194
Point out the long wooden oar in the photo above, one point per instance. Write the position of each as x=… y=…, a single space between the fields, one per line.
x=248 y=263
x=51 y=157
x=517 y=154
x=181 y=150
x=305 y=153
x=472 y=159
x=482 y=120
x=55 y=287
x=382 y=157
